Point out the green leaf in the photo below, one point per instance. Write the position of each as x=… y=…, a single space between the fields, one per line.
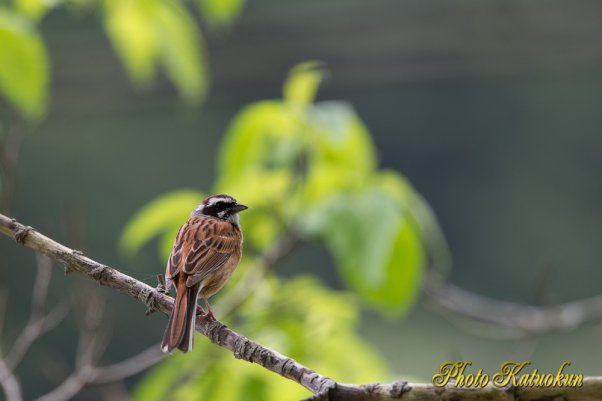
x=182 y=51
x=263 y=136
x=302 y=83
x=34 y=9
x=257 y=164
x=163 y=215
x=220 y=13
x=23 y=64
x=426 y=221
x=342 y=155
x=149 y=33
x=130 y=26
x=376 y=244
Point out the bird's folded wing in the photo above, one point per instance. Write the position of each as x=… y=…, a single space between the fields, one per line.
x=202 y=246
x=207 y=256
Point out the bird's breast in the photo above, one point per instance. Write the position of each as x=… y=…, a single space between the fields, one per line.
x=217 y=279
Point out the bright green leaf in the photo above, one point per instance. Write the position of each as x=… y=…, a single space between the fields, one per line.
x=426 y=221
x=263 y=136
x=258 y=163
x=182 y=51
x=165 y=214
x=130 y=26
x=302 y=83
x=376 y=245
x=220 y=12
x=23 y=64
x=35 y=9
x=342 y=155
x=149 y=33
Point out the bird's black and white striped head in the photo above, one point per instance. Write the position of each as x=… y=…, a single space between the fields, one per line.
x=223 y=207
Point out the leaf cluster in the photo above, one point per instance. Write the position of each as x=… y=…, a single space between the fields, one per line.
x=147 y=35
x=307 y=169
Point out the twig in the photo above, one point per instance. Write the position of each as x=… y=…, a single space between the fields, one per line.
x=39 y=321
x=87 y=374
x=521 y=319
x=9 y=154
x=128 y=367
x=91 y=344
x=10 y=383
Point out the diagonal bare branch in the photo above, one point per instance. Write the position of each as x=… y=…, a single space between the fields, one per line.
x=517 y=319
x=321 y=386
x=217 y=332
x=10 y=383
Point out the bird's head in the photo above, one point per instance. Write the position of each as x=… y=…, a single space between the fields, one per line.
x=223 y=207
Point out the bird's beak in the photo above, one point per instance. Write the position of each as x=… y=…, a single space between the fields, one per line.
x=239 y=207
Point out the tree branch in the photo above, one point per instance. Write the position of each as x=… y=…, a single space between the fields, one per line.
x=217 y=332
x=39 y=321
x=10 y=384
x=518 y=319
x=323 y=387
x=590 y=391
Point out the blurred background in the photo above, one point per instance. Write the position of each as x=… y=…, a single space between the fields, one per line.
x=490 y=109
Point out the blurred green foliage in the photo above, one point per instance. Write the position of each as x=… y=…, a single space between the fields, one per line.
x=146 y=35
x=299 y=318
x=307 y=169
x=24 y=66
x=310 y=169
x=220 y=13
x=151 y=33
x=162 y=217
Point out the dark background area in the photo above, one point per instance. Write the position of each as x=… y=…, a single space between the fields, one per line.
x=491 y=109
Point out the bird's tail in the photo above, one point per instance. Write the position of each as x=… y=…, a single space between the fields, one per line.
x=180 y=327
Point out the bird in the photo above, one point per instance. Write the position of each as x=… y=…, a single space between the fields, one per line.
x=204 y=255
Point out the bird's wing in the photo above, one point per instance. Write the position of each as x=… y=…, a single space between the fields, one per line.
x=202 y=246
x=175 y=257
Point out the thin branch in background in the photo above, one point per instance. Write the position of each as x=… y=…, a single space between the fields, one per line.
x=93 y=339
x=10 y=147
x=518 y=319
x=10 y=383
x=87 y=374
x=129 y=367
x=39 y=321
x=3 y=301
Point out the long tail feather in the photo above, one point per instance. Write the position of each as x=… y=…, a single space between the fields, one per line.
x=180 y=327
x=188 y=339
